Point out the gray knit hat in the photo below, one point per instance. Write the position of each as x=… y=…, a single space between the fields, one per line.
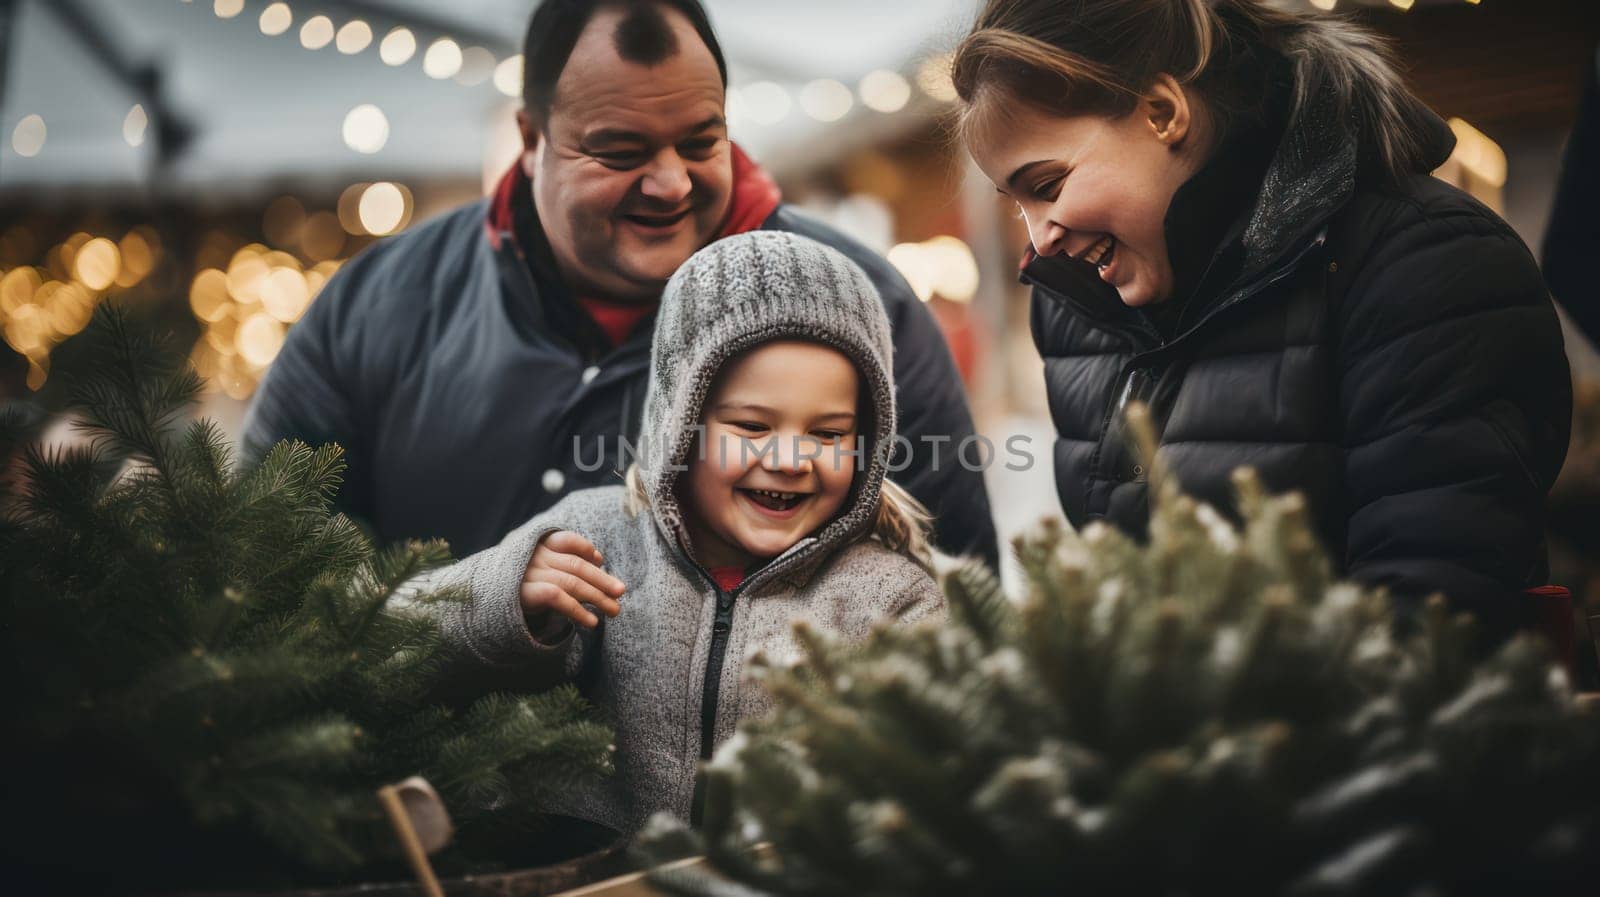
x=732 y=296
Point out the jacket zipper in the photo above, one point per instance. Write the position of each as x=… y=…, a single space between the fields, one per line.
x=711 y=690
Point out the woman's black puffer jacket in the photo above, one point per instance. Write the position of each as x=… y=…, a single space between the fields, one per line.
x=1388 y=350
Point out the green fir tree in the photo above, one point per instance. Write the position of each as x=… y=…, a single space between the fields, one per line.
x=1208 y=713
x=211 y=673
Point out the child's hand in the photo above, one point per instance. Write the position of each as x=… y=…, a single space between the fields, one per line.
x=563 y=575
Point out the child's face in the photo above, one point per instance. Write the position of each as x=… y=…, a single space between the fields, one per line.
x=779 y=420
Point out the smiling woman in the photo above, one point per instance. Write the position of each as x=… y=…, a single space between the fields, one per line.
x=1231 y=222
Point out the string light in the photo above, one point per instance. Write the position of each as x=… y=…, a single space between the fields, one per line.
x=135 y=125
x=29 y=136
x=398 y=47
x=366 y=129
x=765 y=102
x=354 y=37
x=316 y=33
x=508 y=76
x=382 y=209
x=884 y=91
x=477 y=65
x=826 y=100
x=442 y=60
x=276 y=19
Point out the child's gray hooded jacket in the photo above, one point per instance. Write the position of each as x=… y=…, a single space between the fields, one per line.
x=668 y=671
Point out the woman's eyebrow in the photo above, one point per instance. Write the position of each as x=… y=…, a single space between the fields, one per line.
x=1023 y=169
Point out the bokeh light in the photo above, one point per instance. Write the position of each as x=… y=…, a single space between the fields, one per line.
x=442 y=60
x=508 y=76
x=765 y=102
x=884 y=91
x=97 y=264
x=29 y=136
x=135 y=125
x=354 y=37
x=316 y=33
x=398 y=47
x=383 y=208
x=477 y=65
x=366 y=129
x=826 y=100
x=276 y=19
x=227 y=9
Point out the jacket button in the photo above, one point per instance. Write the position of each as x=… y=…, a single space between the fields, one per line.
x=553 y=481
x=590 y=372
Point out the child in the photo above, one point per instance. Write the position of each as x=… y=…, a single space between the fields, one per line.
x=774 y=508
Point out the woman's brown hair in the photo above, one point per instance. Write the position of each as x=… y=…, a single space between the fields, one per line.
x=1098 y=57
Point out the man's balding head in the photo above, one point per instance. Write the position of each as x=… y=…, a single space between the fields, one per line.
x=643 y=35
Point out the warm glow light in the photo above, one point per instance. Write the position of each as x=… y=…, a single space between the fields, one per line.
x=934 y=78
x=245 y=273
x=134 y=125
x=955 y=268
x=477 y=64
x=765 y=102
x=398 y=47
x=1325 y=5
x=316 y=32
x=323 y=237
x=28 y=138
x=227 y=9
x=382 y=208
x=284 y=294
x=354 y=37
x=258 y=339
x=350 y=208
x=138 y=256
x=826 y=100
x=276 y=19
x=442 y=60
x=366 y=129
x=17 y=289
x=884 y=91
x=208 y=295
x=943 y=266
x=1478 y=153
x=508 y=76
x=1402 y=4
x=97 y=264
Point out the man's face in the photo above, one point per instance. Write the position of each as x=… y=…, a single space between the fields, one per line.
x=632 y=172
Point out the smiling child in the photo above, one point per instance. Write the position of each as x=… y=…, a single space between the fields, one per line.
x=758 y=499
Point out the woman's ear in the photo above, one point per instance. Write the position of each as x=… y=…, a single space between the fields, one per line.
x=1167 y=111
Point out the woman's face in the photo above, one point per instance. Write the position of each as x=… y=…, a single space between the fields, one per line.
x=1097 y=188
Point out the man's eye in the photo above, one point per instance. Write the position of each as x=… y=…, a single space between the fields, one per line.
x=619 y=160
x=699 y=147
x=1048 y=190
x=828 y=435
x=750 y=425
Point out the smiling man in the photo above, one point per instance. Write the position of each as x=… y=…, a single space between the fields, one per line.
x=479 y=367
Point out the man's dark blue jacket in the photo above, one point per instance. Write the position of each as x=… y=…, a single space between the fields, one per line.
x=470 y=391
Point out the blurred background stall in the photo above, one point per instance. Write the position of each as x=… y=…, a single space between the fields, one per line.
x=214 y=162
